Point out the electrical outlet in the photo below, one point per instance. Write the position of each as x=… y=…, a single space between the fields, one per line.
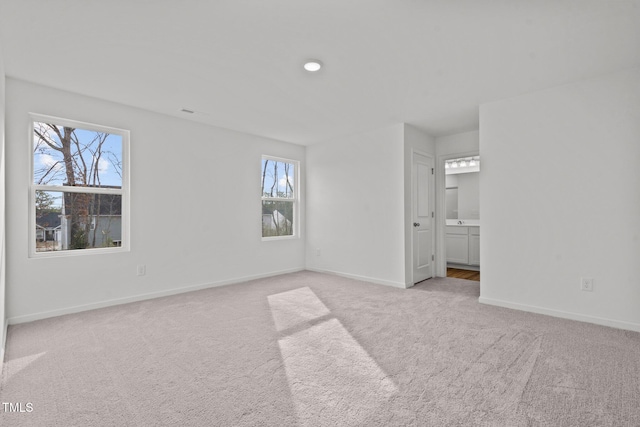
x=586 y=284
x=142 y=270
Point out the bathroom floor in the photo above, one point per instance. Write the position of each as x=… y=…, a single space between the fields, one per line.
x=458 y=273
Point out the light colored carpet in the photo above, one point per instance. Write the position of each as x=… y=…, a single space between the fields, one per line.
x=309 y=349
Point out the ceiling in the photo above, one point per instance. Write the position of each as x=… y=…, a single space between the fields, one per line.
x=238 y=63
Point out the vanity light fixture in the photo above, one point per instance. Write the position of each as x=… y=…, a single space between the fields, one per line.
x=464 y=163
x=312 y=65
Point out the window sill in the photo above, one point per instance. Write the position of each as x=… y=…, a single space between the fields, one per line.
x=77 y=252
x=268 y=239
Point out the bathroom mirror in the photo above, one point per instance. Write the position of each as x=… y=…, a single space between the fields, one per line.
x=451 y=201
x=462 y=188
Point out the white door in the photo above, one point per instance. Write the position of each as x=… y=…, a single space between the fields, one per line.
x=423 y=217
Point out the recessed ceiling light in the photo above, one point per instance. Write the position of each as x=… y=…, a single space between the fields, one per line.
x=312 y=65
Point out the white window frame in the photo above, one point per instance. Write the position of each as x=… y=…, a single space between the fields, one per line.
x=124 y=191
x=295 y=199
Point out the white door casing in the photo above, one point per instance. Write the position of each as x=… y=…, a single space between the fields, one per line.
x=422 y=206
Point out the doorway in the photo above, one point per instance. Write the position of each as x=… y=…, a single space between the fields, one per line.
x=459 y=224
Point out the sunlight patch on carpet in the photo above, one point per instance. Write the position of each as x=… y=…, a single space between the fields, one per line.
x=292 y=308
x=12 y=367
x=333 y=380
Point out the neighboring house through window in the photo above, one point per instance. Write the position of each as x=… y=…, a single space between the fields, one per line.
x=79 y=187
x=279 y=197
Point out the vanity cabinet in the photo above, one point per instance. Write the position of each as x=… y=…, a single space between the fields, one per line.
x=457 y=245
x=463 y=245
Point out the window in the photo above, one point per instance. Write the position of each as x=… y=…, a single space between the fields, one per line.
x=79 y=187
x=279 y=197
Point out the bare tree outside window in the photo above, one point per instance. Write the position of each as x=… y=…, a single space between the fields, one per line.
x=278 y=198
x=77 y=183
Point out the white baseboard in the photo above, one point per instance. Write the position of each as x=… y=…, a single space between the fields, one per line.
x=619 y=324
x=361 y=278
x=141 y=297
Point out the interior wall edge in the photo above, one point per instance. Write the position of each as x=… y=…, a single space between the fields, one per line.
x=5 y=327
x=3 y=285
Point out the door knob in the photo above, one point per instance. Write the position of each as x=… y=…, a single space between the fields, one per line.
x=416 y=224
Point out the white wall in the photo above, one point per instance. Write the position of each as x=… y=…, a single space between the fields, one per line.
x=359 y=204
x=355 y=206
x=560 y=188
x=449 y=147
x=195 y=210
x=458 y=145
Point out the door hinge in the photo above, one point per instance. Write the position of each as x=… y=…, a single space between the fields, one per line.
x=433 y=257
x=433 y=215
x=431 y=171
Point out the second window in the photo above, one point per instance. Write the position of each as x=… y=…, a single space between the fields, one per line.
x=279 y=197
